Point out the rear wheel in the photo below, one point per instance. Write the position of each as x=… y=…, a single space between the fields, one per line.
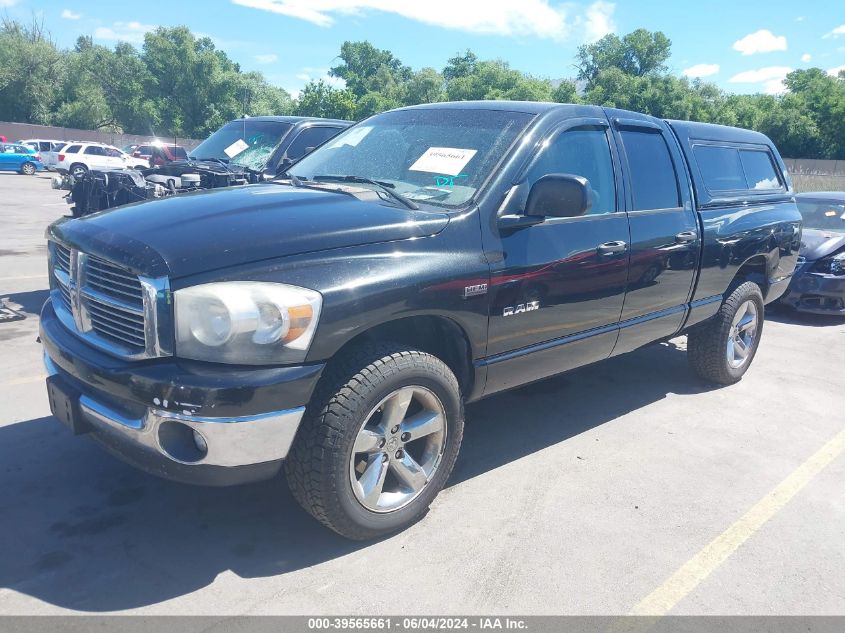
x=721 y=350
x=78 y=170
x=379 y=441
x=28 y=169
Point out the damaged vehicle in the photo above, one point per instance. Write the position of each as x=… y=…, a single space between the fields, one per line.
x=244 y=151
x=818 y=285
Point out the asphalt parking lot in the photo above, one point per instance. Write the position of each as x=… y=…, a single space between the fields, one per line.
x=627 y=486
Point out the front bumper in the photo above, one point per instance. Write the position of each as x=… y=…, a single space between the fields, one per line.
x=815 y=293
x=191 y=422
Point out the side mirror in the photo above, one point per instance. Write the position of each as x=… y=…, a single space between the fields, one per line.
x=559 y=196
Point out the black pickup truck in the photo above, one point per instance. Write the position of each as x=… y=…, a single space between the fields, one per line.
x=332 y=323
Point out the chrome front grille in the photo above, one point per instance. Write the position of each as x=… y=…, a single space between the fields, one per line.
x=109 y=306
x=101 y=276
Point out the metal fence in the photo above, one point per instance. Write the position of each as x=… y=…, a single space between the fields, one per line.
x=23 y=131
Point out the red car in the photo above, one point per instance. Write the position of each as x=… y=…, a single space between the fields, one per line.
x=160 y=153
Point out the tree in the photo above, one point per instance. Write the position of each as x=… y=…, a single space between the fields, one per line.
x=639 y=54
x=424 y=86
x=29 y=67
x=365 y=69
x=460 y=66
x=320 y=99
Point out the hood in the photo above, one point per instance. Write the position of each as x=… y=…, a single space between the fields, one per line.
x=208 y=230
x=818 y=243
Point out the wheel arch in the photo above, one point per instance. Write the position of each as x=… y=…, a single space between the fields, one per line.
x=754 y=269
x=435 y=334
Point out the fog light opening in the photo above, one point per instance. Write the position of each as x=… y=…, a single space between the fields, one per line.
x=181 y=443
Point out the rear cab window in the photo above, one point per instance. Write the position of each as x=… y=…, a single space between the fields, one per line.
x=737 y=168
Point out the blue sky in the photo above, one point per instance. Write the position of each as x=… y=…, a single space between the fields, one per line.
x=741 y=46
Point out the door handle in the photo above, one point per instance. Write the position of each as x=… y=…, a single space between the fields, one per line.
x=611 y=248
x=685 y=237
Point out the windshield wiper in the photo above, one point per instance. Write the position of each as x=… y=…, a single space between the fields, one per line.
x=387 y=187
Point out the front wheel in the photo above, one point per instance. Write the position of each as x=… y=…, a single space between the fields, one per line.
x=28 y=169
x=721 y=349
x=379 y=441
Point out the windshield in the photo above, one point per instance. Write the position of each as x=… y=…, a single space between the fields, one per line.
x=826 y=216
x=440 y=156
x=245 y=142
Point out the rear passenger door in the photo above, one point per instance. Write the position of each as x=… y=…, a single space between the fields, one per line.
x=95 y=157
x=665 y=240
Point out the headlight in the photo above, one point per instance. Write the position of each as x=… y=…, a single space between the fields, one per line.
x=832 y=265
x=246 y=322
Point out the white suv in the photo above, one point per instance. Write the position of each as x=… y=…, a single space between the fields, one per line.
x=77 y=158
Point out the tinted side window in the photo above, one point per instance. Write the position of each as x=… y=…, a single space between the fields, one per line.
x=759 y=170
x=44 y=146
x=94 y=150
x=71 y=149
x=652 y=172
x=311 y=137
x=583 y=152
x=720 y=167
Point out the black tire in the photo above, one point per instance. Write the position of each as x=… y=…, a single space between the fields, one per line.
x=317 y=467
x=707 y=343
x=28 y=169
x=78 y=167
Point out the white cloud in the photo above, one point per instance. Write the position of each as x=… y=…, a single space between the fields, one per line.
x=806 y=57
x=834 y=72
x=8 y=3
x=839 y=30
x=762 y=41
x=771 y=78
x=67 y=14
x=269 y=58
x=801 y=18
x=309 y=74
x=701 y=70
x=535 y=18
x=123 y=31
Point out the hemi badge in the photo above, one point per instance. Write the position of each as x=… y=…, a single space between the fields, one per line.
x=472 y=291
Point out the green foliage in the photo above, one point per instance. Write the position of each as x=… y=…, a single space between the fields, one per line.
x=179 y=85
x=29 y=65
x=639 y=53
x=182 y=85
x=320 y=99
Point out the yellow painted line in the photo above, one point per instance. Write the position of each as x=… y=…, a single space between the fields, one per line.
x=695 y=570
x=24 y=380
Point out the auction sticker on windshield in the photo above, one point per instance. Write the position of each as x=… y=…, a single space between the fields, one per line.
x=443 y=160
x=236 y=148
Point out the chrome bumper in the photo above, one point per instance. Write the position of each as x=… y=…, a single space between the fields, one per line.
x=227 y=442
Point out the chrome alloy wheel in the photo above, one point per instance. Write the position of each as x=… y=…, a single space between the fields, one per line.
x=398 y=449
x=742 y=333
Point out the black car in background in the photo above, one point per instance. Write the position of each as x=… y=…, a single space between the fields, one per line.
x=818 y=285
x=266 y=144
x=244 y=151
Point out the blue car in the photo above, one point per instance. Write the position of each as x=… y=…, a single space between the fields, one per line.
x=19 y=158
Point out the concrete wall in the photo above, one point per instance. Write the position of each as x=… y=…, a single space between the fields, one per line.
x=22 y=131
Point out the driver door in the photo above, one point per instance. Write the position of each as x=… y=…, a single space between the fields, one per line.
x=558 y=291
